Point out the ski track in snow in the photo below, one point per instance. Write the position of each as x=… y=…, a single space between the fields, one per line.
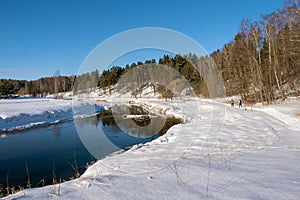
x=220 y=152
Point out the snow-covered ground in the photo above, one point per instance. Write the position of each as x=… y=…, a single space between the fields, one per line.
x=27 y=112
x=22 y=113
x=218 y=153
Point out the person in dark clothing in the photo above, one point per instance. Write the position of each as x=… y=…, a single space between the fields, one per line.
x=232 y=102
x=240 y=103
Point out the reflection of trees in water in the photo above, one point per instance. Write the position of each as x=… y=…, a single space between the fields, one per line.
x=137 y=110
x=144 y=127
x=141 y=128
x=168 y=124
x=94 y=120
x=148 y=131
x=142 y=122
x=108 y=121
x=56 y=130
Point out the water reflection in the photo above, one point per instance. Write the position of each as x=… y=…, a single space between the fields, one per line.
x=108 y=121
x=40 y=148
x=148 y=126
x=95 y=120
x=56 y=131
x=101 y=135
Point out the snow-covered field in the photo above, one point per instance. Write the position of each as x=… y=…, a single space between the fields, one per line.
x=22 y=113
x=218 y=153
x=28 y=112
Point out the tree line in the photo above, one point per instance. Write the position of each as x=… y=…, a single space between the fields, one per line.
x=262 y=63
x=178 y=63
x=40 y=87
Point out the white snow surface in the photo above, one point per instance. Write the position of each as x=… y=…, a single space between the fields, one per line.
x=22 y=113
x=27 y=112
x=218 y=152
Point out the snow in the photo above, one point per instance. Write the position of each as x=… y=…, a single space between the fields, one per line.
x=22 y=113
x=286 y=113
x=218 y=152
x=28 y=112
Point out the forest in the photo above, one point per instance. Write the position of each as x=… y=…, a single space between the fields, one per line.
x=261 y=64
x=40 y=87
x=263 y=60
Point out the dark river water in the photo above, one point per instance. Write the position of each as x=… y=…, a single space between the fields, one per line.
x=60 y=151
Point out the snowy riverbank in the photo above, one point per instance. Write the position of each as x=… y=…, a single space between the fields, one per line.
x=219 y=152
x=24 y=113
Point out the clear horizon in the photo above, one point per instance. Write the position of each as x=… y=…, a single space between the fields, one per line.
x=39 y=37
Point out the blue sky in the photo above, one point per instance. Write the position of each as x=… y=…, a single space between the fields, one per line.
x=38 y=37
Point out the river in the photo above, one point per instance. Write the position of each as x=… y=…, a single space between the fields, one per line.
x=44 y=155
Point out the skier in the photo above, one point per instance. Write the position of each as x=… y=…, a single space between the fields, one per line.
x=240 y=103
x=232 y=102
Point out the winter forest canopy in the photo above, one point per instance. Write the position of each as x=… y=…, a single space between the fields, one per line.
x=263 y=60
x=261 y=63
